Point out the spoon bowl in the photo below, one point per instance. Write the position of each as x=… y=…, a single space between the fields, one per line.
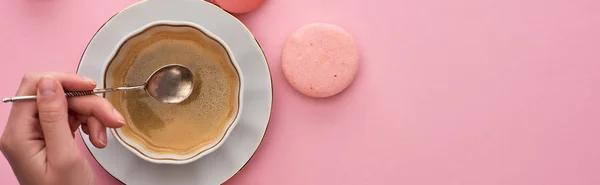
x=170 y=84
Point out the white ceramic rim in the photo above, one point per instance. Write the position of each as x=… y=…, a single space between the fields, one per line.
x=142 y=152
x=220 y=165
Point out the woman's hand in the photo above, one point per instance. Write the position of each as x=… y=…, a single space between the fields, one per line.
x=38 y=137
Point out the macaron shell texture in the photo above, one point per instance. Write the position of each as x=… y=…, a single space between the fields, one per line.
x=320 y=60
x=238 y=6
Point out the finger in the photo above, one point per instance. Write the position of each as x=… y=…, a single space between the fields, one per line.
x=52 y=110
x=77 y=121
x=97 y=132
x=69 y=81
x=83 y=121
x=99 y=108
x=80 y=118
x=74 y=124
x=85 y=128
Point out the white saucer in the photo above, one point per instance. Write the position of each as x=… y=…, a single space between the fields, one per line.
x=219 y=166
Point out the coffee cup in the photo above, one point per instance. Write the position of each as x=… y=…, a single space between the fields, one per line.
x=175 y=133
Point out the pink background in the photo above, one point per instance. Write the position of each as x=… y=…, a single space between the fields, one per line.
x=464 y=92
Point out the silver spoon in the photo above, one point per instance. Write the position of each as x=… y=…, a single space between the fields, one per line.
x=169 y=84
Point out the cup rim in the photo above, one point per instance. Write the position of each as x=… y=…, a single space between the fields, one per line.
x=138 y=149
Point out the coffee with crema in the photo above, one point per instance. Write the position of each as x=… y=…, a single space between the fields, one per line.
x=181 y=129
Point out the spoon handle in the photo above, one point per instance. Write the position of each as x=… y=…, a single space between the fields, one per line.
x=76 y=93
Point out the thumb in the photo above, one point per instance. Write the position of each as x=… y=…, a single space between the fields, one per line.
x=54 y=120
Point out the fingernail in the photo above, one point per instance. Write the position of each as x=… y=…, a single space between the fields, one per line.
x=102 y=138
x=46 y=86
x=89 y=80
x=119 y=117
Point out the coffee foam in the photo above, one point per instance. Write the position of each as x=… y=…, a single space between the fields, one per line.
x=182 y=129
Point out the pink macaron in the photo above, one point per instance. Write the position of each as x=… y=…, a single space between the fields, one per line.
x=238 y=6
x=320 y=60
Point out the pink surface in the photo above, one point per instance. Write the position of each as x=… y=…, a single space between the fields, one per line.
x=319 y=59
x=464 y=92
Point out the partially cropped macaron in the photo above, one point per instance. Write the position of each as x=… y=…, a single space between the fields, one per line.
x=238 y=6
x=320 y=60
